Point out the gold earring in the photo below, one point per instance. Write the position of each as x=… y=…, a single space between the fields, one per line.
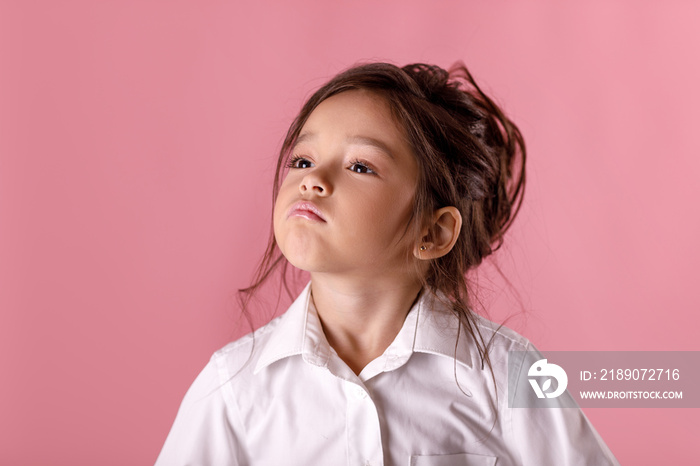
x=423 y=248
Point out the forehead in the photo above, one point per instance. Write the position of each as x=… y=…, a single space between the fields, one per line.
x=355 y=114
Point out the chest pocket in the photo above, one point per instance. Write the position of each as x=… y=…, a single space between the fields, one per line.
x=460 y=459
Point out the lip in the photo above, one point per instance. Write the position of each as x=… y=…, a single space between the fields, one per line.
x=307 y=210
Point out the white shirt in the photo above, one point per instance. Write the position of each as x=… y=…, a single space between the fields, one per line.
x=282 y=396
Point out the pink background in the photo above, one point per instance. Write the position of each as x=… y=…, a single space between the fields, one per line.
x=137 y=140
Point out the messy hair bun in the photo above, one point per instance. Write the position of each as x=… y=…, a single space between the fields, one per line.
x=472 y=157
x=475 y=155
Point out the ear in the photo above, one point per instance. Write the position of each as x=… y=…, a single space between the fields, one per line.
x=440 y=235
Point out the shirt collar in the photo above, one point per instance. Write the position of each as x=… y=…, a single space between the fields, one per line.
x=287 y=337
x=429 y=328
x=437 y=331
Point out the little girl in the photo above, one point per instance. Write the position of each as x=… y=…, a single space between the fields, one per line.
x=391 y=185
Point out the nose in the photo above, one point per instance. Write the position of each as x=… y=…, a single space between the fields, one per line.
x=315 y=183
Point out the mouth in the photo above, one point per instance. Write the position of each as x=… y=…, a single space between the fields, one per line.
x=307 y=210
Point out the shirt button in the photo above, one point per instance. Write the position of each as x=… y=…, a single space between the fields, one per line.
x=360 y=394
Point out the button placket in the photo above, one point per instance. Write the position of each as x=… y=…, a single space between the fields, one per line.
x=363 y=428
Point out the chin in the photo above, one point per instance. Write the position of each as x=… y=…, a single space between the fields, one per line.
x=311 y=263
x=298 y=257
x=301 y=248
x=306 y=266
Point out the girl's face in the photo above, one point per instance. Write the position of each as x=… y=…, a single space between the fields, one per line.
x=346 y=202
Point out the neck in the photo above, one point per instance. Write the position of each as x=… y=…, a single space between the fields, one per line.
x=362 y=317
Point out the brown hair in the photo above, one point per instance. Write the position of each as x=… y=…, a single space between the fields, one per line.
x=470 y=155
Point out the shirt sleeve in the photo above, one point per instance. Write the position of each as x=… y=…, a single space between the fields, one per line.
x=559 y=434
x=203 y=432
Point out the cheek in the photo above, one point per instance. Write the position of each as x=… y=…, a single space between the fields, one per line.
x=277 y=214
x=400 y=202
x=389 y=218
x=284 y=199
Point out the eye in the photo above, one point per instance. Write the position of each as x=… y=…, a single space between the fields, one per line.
x=299 y=162
x=361 y=167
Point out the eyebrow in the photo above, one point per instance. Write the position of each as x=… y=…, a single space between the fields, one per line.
x=354 y=140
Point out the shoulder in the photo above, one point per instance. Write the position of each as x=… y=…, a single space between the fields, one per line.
x=500 y=337
x=241 y=356
x=506 y=350
x=208 y=428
